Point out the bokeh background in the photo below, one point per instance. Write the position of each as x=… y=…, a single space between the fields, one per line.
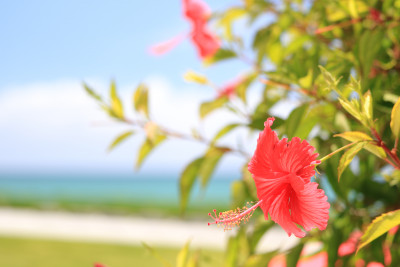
x=54 y=138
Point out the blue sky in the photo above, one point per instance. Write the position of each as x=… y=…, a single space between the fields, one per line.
x=49 y=47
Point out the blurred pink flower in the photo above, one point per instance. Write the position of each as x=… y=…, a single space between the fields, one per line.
x=360 y=263
x=375 y=264
x=387 y=255
x=350 y=245
x=393 y=230
x=99 y=265
x=230 y=88
x=320 y=259
x=282 y=171
x=197 y=12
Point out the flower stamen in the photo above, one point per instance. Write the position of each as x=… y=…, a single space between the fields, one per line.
x=232 y=218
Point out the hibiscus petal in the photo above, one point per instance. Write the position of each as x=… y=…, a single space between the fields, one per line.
x=279 y=212
x=260 y=163
x=309 y=207
x=280 y=156
x=166 y=46
x=195 y=10
x=204 y=40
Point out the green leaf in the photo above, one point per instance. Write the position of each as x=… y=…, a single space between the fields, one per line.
x=348 y=157
x=155 y=254
x=229 y=16
x=182 y=257
x=395 y=119
x=147 y=146
x=369 y=45
x=140 y=99
x=191 y=76
x=360 y=136
x=295 y=119
x=122 y=137
x=92 y=93
x=220 y=55
x=292 y=257
x=116 y=104
x=306 y=81
x=211 y=159
x=379 y=226
x=225 y=130
x=208 y=107
x=239 y=194
x=194 y=259
x=187 y=180
x=259 y=260
x=232 y=251
x=260 y=228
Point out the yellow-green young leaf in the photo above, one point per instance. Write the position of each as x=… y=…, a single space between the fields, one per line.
x=211 y=159
x=182 y=257
x=379 y=226
x=140 y=99
x=120 y=138
x=92 y=93
x=191 y=76
x=207 y=107
x=395 y=119
x=360 y=136
x=353 y=8
x=367 y=106
x=225 y=130
x=147 y=146
x=348 y=156
x=330 y=81
x=155 y=254
x=187 y=180
x=116 y=105
x=350 y=108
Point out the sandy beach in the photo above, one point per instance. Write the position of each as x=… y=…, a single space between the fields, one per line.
x=125 y=230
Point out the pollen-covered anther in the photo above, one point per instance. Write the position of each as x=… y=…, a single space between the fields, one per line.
x=232 y=218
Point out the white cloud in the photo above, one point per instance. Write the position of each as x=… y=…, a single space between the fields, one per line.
x=56 y=126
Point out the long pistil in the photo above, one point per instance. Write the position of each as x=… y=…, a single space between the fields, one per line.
x=232 y=218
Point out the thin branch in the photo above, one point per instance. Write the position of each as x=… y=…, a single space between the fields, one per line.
x=172 y=133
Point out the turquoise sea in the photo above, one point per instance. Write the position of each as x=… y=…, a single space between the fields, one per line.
x=107 y=188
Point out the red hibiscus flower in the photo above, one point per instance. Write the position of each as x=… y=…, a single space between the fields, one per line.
x=197 y=12
x=282 y=171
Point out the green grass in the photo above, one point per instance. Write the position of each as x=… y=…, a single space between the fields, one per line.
x=24 y=252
